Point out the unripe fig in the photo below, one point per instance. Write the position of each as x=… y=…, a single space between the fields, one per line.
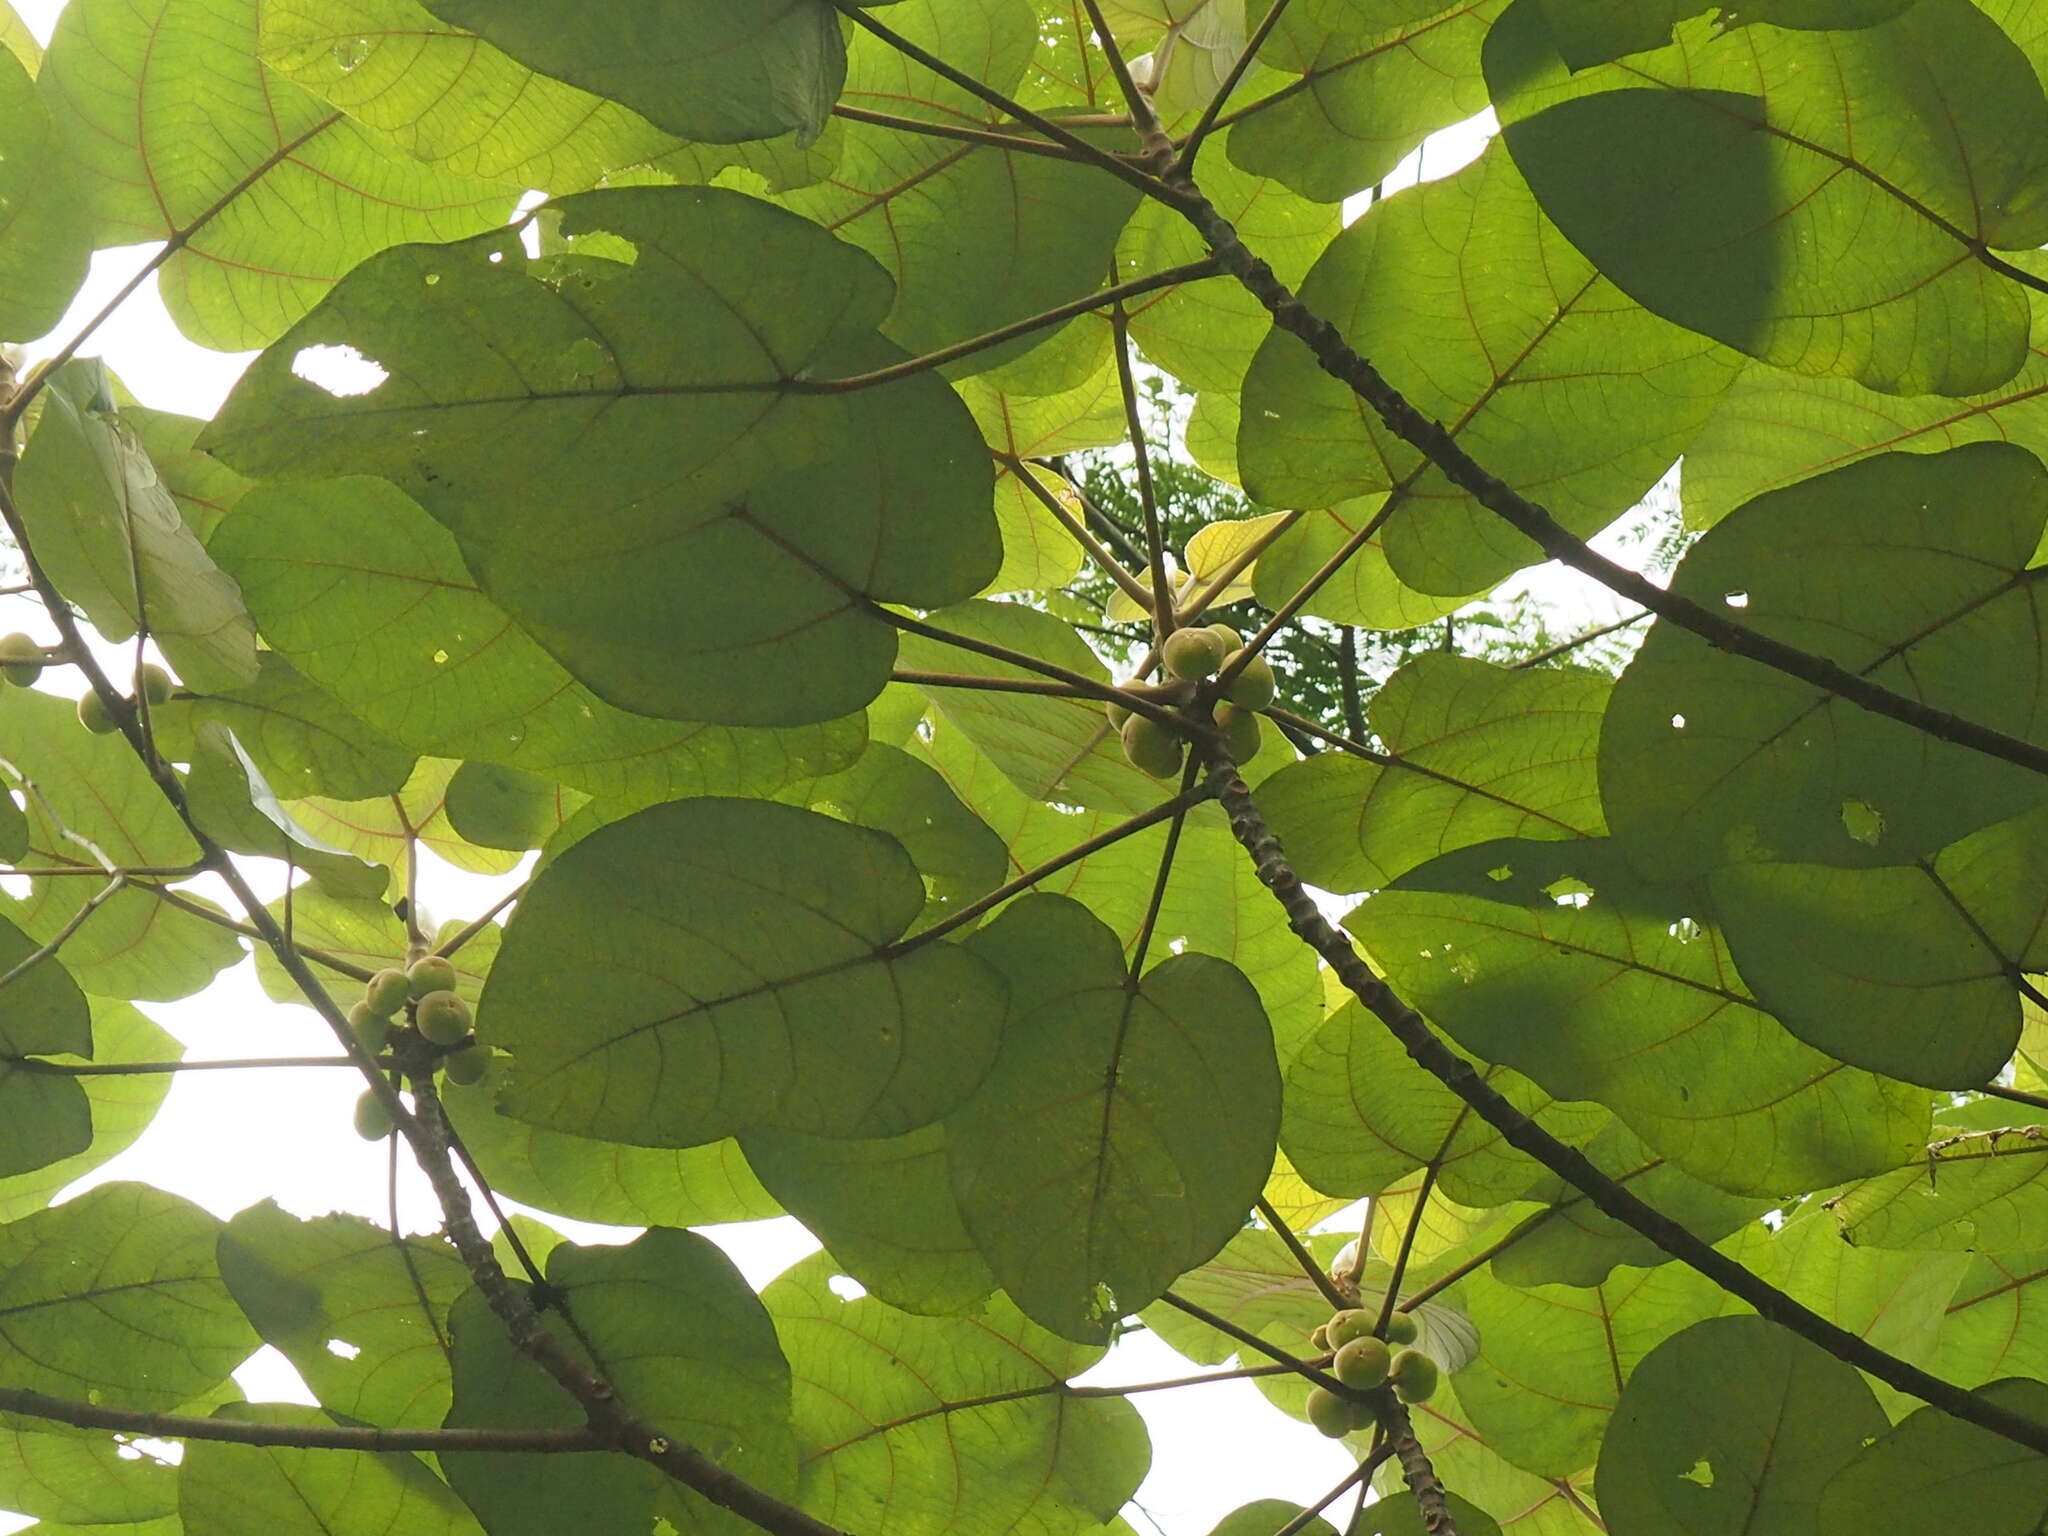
x=1414 y=1376
x=1192 y=653
x=1116 y=713
x=373 y=1120
x=1402 y=1328
x=1241 y=735
x=1362 y=1364
x=1330 y=1414
x=443 y=1018
x=92 y=714
x=1152 y=747
x=466 y=1069
x=386 y=991
x=371 y=1028
x=21 y=659
x=156 y=683
x=1320 y=1339
x=1232 y=640
x=1348 y=1325
x=1255 y=686
x=430 y=973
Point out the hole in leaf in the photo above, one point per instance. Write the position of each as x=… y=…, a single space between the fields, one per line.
x=846 y=1288
x=1465 y=968
x=1500 y=872
x=343 y=1348
x=1863 y=821
x=350 y=54
x=1678 y=722
x=1736 y=599
x=1569 y=891
x=1701 y=1472
x=340 y=370
x=1685 y=930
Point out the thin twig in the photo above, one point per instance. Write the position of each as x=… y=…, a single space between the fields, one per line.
x=1408 y=1235
x=1148 y=501
x=1142 y=115
x=46 y=1068
x=1310 y=1370
x=1352 y=1479
x=1302 y=1256
x=1111 y=567
x=90 y=905
x=1146 y=927
x=1347 y=676
x=475 y=926
x=1564 y=647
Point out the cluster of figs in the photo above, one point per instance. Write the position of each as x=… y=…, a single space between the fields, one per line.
x=424 y=992
x=1194 y=656
x=22 y=660
x=1365 y=1361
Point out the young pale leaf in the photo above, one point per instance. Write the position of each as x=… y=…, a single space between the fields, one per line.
x=702 y=69
x=729 y=528
x=179 y=133
x=1732 y=1426
x=954 y=1425
x=117 y=1294
x=708 y=965
x=1126 y=1127
x=1713 y=184
x=258 y=1490
x=1910 y=569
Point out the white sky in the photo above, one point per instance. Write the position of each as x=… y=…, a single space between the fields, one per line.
x=229 y=1139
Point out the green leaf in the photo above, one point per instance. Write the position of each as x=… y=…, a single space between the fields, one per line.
x=1364 y=590
x=1992 y=1326
x=205 y=489
x=661 y=389
x=883 y=1208
x=590 y=1180
x=1915 y=1478
x=1125 y=1128
x=1979 y=1191
x=227 y=796
x=1552 y=1358
x=674 y=1327
x=1401 y=1514
x=923 y=1424
x=752 y=939
x=700 y=69
x=1908 y=569
x=116 y=1295
x=268 y=1490
x=1733 y=1426
x=410 y=645
x=343 y=1302
x=1262 y=1517
x=179 y=133
x=1476 y=752
x=43 y=1118
x=106 y=530
x=975 y=236
x=98 y=1482
x=1810 y=147
x=499 y=807
x=46 y=239
x=1589 y=32
x=1553 y=959
x=451 y=99
x=385 y=830
x=1475 y=307
x=365 y=932
x=1374 y=81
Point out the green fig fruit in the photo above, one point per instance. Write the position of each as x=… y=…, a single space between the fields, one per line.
x=1152 y=747
x=1362 y=1364
x=443 y=1018
x=1348 y=1325
x=373 y=1120
x=1414 y=1376
x=92 y=714
x=1320 y=1339
x=371 y=1028
x=1232 y=640
x=430 y=973
x=1241 y=735
x=156 y=683
x=467 y=1069
x=1330 y=1413
x=21 y=659
x=386 y=991
x=1192 y=653
x=1255 y=686
x=1402 y=1328
x=1116 y=712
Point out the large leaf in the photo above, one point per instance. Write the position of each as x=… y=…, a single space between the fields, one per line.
x=1474 y=306
x=178 y=132
x=663 y=389
x=699 y=68
x=1911 y=1480
x=1908 y=569
x=1553 y=959
x=369 y=598
x=1731 y=181
x=107 y=531
x=912 y=1424
x=1127 y=1124
x=708 y=965
x=116 y=1295
x=1731 y=1427
x=43 y=1117
x=1476 y=752
x=1591 y=32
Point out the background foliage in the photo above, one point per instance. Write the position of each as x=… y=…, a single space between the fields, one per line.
x=718 y=462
